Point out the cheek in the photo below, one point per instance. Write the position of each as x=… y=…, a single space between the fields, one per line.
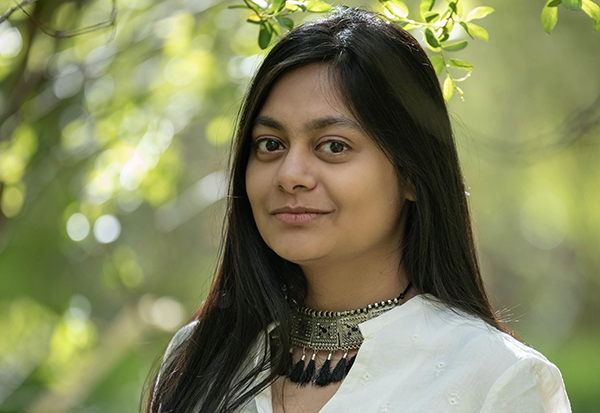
x=253 y=183
x=377 y=198
x=258 y=190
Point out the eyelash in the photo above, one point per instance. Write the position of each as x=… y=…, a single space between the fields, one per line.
x=345 y=145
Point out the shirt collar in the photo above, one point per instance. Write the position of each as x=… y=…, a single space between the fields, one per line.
x=367 y=328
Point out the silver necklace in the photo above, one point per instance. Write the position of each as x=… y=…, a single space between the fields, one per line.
x=331 y=331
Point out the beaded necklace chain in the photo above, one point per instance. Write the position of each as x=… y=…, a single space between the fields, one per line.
x=331 y=331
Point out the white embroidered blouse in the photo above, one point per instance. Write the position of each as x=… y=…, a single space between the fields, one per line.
x=423 y=357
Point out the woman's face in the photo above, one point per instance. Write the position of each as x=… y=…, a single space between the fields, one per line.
x=320 y=189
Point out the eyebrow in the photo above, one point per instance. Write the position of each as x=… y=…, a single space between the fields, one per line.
x=313 y=125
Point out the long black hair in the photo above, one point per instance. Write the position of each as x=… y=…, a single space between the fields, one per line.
x=387 y=82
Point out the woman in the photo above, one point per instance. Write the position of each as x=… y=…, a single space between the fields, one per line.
x=346 y=192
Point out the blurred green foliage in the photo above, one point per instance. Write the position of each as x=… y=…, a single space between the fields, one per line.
x=113 y=147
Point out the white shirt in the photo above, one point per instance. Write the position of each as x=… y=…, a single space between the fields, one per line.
x=423 y=357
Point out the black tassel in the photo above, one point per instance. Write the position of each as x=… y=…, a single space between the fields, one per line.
x=350 y=363
x=323 y=378
x=296 y=374
x=309 y=372
x=339 y=372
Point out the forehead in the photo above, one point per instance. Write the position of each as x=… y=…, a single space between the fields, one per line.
x=305 y=93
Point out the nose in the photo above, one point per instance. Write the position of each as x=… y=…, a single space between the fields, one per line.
x=295 y=172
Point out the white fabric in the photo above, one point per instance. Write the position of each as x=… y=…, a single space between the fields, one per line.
x=423 y=357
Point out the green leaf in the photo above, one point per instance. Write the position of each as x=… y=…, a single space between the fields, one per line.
x=460 y=64
x=572 y=4
x=396 y=7
x=316 y=6
x=431 y=40
x=285 y=22
x=291 y=6
x=448 y=88
x=438 y=64
x=593 y=10
x=476 y=31
x=464 y=26
x=407 y=26
x=455 y=46
x=238 y=6
x=277 y=6
x=444 y=36
x=550 y=15
x=426 y=5
x=256 y=5
x=254 y=18
x=456 y=7
x=265 y=35
x=431 y=17
x=479 y=13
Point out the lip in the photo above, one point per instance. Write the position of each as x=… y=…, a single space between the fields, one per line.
x=298 y=215
x=298 y=210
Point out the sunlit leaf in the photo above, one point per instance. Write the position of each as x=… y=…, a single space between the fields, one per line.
x=475 y=30
x=277 y=6
x=460 y=64
x=396 y=7
x=572 y=4
x=464 y=26
x=426 y=6
x=593 y=10
x=455 y=46
x=291 y=6
x=456 y=7
x=479 y=13
x=449 y=27
x=550 y=15
x=432 y=17
x=431 y=40
x=438 y=64
x=316 y=6
x=276 y=29
x=448 y=88
x=254 y=18
x=256 y=5
x=407 y=26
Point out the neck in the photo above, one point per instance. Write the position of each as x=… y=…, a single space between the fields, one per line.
x=350 y=284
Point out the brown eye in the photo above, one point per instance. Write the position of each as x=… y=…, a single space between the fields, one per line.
x=268 y=145
x=334 y=147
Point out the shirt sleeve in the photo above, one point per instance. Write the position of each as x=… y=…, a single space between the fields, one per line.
x=179 y=338
x=530 y=386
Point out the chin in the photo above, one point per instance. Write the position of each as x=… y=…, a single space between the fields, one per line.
x=299 y=255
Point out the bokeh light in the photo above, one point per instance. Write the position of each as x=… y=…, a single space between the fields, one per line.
x=107 y=229
x=78 y=227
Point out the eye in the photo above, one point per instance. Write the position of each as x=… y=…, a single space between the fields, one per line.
x=334 y=147
x=268 y=145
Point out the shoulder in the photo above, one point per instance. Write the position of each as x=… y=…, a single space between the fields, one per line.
x=530 y=385
x=459 y=332
x=519 y=378
x=180 y=337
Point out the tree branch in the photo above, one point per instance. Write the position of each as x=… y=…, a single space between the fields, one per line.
x=15 y=8
x=61 y=34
